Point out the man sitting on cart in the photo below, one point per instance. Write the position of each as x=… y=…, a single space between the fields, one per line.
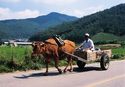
x=87 y=44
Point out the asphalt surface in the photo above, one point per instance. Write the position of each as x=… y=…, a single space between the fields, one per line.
x=91 y=76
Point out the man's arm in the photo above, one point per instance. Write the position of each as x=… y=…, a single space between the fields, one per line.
x=91 y=45
x=80 y=45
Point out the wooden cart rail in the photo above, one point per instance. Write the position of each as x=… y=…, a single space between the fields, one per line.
x=79 y=58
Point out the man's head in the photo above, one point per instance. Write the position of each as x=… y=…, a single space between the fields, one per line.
x=86 y=36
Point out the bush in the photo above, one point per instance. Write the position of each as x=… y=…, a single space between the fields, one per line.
x=117 y=56
x=5 y=69
x=123 y=44
x=32 y=63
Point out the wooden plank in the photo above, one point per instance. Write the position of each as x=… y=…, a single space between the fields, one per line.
x=79 y=58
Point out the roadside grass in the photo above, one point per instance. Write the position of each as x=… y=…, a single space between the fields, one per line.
x=118 y=53
x=19 y=59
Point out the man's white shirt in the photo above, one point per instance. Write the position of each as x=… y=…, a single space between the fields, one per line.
x=88 y=44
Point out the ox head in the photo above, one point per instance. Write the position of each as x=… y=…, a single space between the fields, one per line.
x=38 y=48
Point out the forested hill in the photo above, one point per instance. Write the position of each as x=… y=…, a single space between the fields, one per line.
x=111 y=21
x=24 y=28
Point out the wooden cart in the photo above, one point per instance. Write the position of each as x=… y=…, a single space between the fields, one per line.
x=84 y=57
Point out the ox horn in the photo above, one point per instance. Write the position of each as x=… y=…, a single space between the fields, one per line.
x=42 y=43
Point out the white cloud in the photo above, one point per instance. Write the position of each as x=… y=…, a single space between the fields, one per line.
x=55 y=2
x=78 y=13
x=82 y=12
x=92 y=10
x=10 y=1
x=6 y=13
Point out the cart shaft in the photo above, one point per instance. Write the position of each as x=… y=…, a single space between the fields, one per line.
x=79 y=58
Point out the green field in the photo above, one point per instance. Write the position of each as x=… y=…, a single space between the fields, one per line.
x=17 y=53
x=107 y=37
x=19 y=58
x=118 y=53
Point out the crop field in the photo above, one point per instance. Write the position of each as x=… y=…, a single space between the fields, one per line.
x=17 y=53
x=19 y=58
x=14 y=58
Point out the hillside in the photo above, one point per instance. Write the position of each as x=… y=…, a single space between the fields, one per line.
x=24 y=28
x=52 y=19
x=104 y=37
x=111 y=21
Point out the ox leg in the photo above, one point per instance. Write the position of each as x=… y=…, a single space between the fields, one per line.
x=70 y=70
x=56 y=64
x=47 y=61
x=69 y=63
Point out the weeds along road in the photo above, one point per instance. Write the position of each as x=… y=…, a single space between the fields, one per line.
x=91 y=76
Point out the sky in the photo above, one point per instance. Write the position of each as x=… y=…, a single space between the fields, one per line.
x=21 y=9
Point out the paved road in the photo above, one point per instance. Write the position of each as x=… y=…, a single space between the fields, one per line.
x=91 y=76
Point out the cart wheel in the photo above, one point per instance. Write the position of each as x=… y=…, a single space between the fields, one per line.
x=104 y=63
x=81 y=64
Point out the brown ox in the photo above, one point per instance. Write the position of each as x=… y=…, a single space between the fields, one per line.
x=49 y=48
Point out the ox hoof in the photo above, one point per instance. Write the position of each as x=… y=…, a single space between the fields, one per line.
x=60 y=71
x=45 y=74
x=64 y=71
x=70 y=70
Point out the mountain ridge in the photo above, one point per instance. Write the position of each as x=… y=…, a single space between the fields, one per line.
x=110 y=20
x=24 y=28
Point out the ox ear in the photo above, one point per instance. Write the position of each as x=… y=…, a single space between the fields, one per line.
x=42 y=44
x=33 y=44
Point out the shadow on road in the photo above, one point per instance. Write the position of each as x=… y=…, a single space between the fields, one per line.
x=36 y=75
x=76 y=69
x=86 y=69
